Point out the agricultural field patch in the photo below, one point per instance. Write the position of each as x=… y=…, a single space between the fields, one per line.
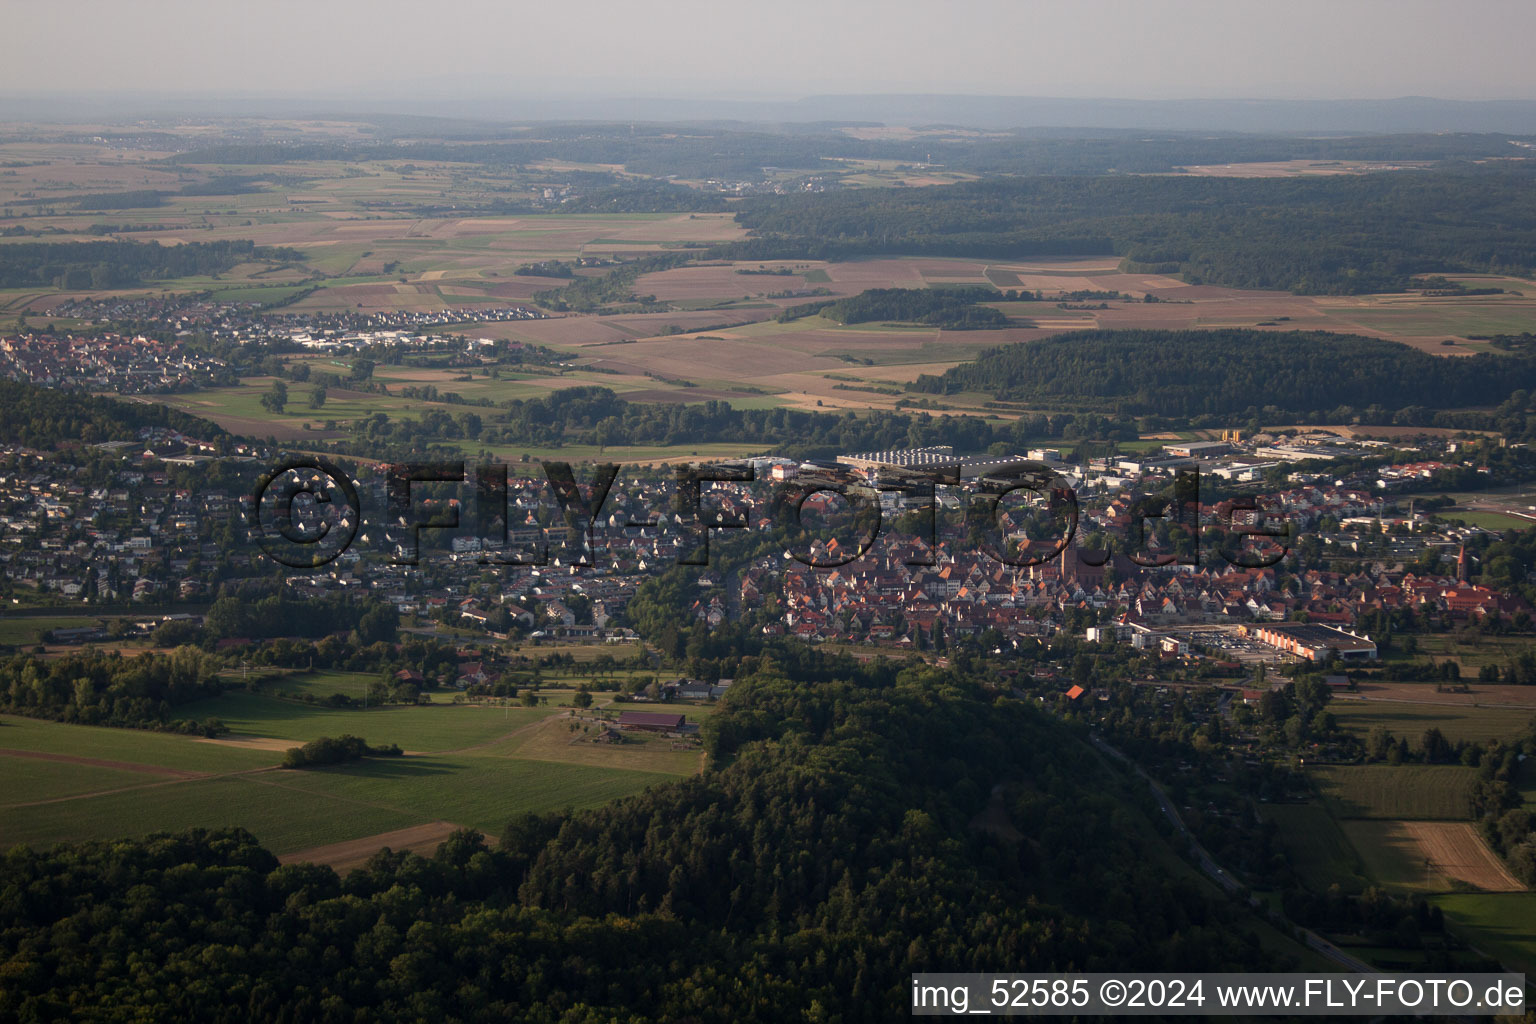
x=1414 y=792
x=1504 y=924
x=432 y=727
x=134 y=746
x=1409 y=721
x=1318 y=850
x=1392 y=857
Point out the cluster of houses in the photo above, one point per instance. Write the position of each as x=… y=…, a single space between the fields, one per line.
x=247 y=323
x=160 y=361
x=145 y=534
x=109 y=362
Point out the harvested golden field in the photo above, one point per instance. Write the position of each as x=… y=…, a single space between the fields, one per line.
x=1454 y=848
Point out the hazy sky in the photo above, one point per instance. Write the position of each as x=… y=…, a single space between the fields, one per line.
x=1154 y=49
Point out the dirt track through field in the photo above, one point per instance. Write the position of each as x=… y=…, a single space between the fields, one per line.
x=96 y=762
x=1457 y=851
x=353 y=853
x=527 y=727
x=253 y=742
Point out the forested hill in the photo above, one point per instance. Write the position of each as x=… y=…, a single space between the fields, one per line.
x=826 y=855
x=42 y=417
x=1190 y=373
x=1343 y=234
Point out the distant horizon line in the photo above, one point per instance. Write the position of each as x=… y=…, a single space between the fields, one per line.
x=985 y=111
x=766 y=96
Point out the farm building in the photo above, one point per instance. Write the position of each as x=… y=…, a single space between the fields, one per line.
x=651 y=721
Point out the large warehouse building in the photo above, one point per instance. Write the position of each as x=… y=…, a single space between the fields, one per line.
x=937 y=457
x=1314 y=643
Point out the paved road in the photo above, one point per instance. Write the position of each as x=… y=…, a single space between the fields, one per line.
x=1218 y=874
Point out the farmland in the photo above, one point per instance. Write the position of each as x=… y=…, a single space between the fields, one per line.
x=1500 y=923
x=735 y=351
x=1393 y=858
x=1417 y=792
x=378 y=234
x=475 y=766
x=22 y=631
x=420 y=727
x=1318 y=849
x=1410 y=720
x=1425 y=856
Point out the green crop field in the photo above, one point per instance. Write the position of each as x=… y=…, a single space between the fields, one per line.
x=160 y=749
x=1483 y=650
x=25 y=780
x=1408 y=792
x=1410 y=721
x=557 y=742
x=420 y=727
x=281 y=817
x=1486 y=520
x=24 y=630
x=320 y=683
x=478 y=791
x=1503 y=924
x=294 y=810
x=1461 y=317
x=1392 y=858
x=1319 y=852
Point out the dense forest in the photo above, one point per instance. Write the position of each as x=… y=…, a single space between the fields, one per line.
x=120 y=264
x=827 y=853
x=42 y=417
x=1192 y=373
x=951 y=308
x=98 y=689
x=1345 y=234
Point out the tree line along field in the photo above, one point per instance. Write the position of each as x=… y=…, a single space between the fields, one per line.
x=470 y=765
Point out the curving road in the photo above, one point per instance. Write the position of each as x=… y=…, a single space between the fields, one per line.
x=1218 y=874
